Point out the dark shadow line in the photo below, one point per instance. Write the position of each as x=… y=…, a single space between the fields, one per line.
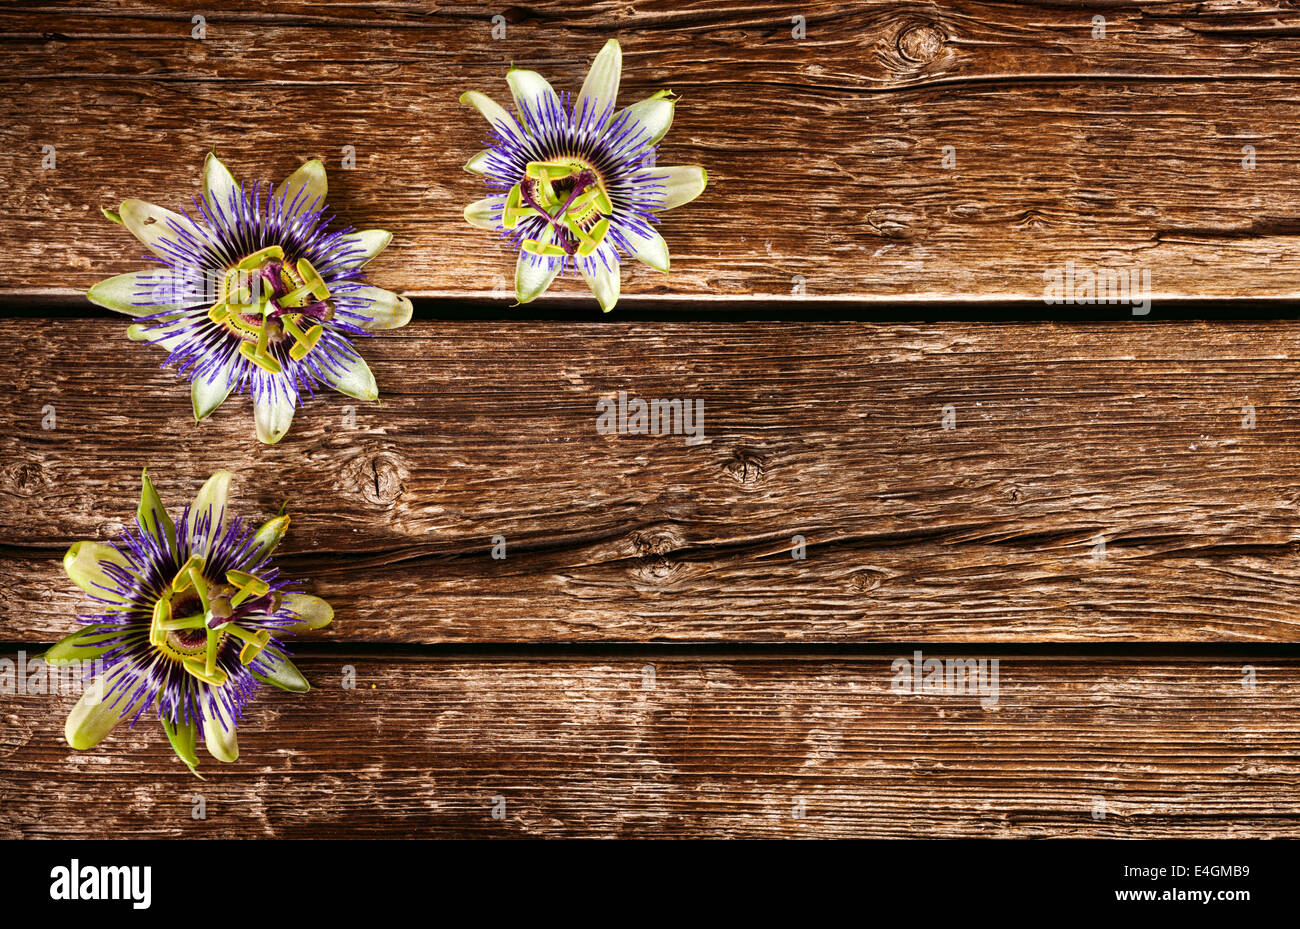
x=704 y=309
x=831 y=651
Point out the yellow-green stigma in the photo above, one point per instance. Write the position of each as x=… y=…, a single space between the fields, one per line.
x=193 y=617
x=570 y=196
x=265 y=299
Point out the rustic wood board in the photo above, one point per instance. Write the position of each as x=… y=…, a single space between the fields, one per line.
x=717 y=747
x=825 y=153
x=830 y=208
x=989 y=531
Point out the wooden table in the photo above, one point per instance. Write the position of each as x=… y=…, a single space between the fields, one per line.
x=1105 y=503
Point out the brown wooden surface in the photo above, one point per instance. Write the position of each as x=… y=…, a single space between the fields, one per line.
x=823 y=153
x=984 y=532
x=524 y=678
x=580 y=747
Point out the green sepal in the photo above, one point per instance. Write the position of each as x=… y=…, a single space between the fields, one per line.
x=283 y=674
x=268 y=536
x=211 y=496
x=313 y=613
x=83 y=645
x=370 y=241
x=654 y=115
x=605 y=283
x=185 y=740
x=125 y=293
x=352 y=377
x=478 y=164
x=481 y=213
x=532 y=278
x=111 y=216
x=152 y=514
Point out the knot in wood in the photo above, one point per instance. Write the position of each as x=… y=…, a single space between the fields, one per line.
x=653 y=549
x=864 y=580
x=746 y=466
x=921 y=43
x=380 y=477
x=656 y=542
x=891 y=227
x=1032 y=219
x=24 y=478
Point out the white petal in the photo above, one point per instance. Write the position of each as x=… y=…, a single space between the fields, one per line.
x=218 y=183
x=155 y=291
x=351 y=377
x=532 y=276
x=681 y=184
x=371 y=242
x=83 y=563
x=485 y=213
x=206 y=395
x=653 y=114
x=223 y=744
x=273 y=415
x=600 y=89
x=97 y=712
x=493 y=112
x=212 y=497
x=604 y=283
x=478 y=164
x=531 y=92
x=648 y=247
x=307 y=186
x=153 y=225
x=386 y=309
x=164 y=334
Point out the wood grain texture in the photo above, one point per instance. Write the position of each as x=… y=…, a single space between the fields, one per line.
x=580 y=747
x=1064 y=435
x=824 y=153
x=537 y=680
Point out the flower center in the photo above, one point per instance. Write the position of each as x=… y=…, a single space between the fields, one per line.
x=266 y=299
x=187 y=643
x=194 y=615
x=570 y=197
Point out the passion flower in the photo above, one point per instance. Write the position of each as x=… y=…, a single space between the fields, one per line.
x=186 y=620
x=257 y=292
x=577 y=183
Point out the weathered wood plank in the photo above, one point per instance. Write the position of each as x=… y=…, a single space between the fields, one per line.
x=824 y=153
x=705 y=747
x=1064 y=435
